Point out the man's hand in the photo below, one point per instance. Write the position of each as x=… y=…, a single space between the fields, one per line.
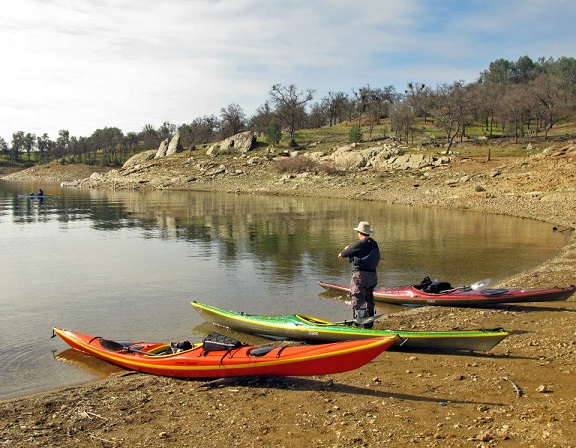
x=340 y=254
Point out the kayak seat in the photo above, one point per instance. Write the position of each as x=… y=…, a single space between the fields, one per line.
x=437 y=287
x=261 y=351
x=433 y=287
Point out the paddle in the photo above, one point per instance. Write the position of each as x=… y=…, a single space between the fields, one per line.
x=480 y=284
x=364 y=321
x=115 y=346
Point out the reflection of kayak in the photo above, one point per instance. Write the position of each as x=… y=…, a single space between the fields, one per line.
x=301 y=327
x=91 y=365
x=37 y=196
x=412 y=295
x=219 y=356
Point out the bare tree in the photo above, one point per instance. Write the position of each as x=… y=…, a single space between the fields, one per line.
x=319 y=114
x=513 y=109
x=551 y=99
x=290 y=107
x=374 y=103
x=485 y=99
x=451 y=110
x=201 y=131
x=232 y=121
x=402 y=119
x=337 y=107
x=419 y=98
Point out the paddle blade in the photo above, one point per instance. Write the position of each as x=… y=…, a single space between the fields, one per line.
x=364 y=321
x=368 y=320
x=482 y=284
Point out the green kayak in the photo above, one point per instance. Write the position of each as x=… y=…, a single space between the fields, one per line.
x=307 y=328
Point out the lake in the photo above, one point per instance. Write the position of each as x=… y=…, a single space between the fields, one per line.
x=126 y=264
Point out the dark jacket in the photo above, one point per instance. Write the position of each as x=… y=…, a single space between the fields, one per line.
x=363 y=254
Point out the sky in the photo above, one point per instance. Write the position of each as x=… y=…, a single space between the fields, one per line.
x=82 y=65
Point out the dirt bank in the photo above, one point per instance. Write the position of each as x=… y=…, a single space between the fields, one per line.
x=521 y=393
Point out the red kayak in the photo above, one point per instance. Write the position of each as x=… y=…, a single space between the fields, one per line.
x=221 y=356
x=462 y=296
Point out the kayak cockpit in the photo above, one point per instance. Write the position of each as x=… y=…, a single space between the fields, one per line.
x=131 y=347
x=312 y=320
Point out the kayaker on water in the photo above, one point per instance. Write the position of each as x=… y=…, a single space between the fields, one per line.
x=364 y=255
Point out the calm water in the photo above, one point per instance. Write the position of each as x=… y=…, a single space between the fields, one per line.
x=127 y=264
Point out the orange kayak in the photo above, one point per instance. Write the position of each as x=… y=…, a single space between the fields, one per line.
x=221 y=356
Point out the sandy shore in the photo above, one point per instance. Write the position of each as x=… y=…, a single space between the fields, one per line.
x=520 y=393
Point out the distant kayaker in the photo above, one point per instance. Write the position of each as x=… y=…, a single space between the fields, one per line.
x=364 y=255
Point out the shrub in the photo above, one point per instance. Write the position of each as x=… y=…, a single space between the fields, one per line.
x=273 y=133
x=355 y=134
x=301 y=164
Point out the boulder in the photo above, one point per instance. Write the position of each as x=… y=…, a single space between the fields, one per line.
x=349 y=159
x=411 y=161
x=174 y=146
x=383 y=158
x=239 y=143
x=139 y=158
x=162 y=149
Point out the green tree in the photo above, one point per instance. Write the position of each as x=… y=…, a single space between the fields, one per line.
x=62 y=143
x=167 y=130
x=4 y=147
x=273 y=132
x=44 y=145
x=355 y=134
x=17 y=145
x=149 y=137
x=130 y=142
x=261 y=119
x=28 y=142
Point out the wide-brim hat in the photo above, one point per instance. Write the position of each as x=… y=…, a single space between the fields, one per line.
x=364 y=227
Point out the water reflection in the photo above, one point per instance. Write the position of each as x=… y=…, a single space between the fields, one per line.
x=287 y=235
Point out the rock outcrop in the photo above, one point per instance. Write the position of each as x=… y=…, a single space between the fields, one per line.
x=240 y=143
x=383 y=157
x=140 y=157
x=169 y=147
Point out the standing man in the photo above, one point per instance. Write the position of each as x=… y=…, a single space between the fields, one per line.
x=364 y=255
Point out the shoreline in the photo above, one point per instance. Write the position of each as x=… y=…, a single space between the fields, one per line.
x=431 y=399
